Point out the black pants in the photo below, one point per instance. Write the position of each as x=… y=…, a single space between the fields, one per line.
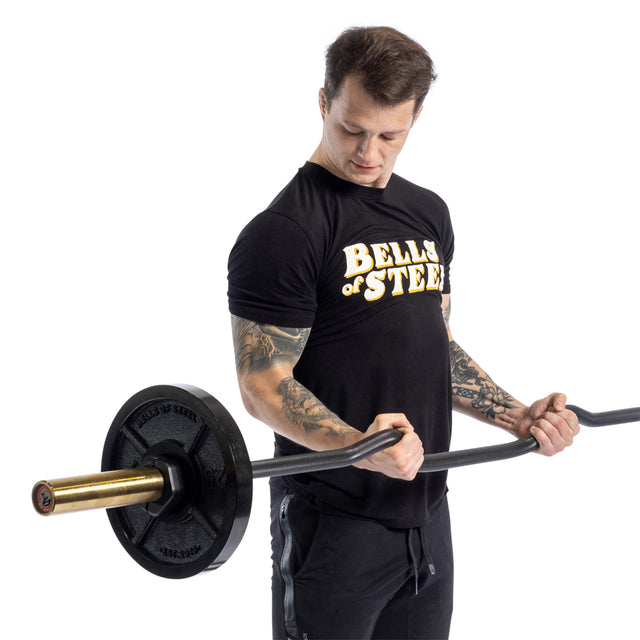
x=340 y=578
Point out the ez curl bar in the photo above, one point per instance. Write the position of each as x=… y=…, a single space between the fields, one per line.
x=177 y=480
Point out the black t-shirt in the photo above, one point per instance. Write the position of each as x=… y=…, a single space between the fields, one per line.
x=365 y=269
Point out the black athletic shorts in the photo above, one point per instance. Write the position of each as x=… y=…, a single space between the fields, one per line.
x=340 y=578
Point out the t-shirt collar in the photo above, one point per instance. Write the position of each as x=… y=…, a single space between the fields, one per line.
x=333 y=182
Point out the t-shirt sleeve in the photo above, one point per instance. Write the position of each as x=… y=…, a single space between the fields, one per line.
x=447 y=247
x=272 y=273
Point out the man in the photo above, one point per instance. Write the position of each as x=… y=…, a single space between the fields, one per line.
x=340 y=302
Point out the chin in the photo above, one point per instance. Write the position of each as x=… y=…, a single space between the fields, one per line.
x=365 y=179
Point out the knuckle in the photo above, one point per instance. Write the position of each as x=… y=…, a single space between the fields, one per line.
x=407 y=469
x=548 y=450
x=552 y=418
x=393 y=454
x=411 y=439
x=409 y=473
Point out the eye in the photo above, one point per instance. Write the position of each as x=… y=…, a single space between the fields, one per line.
x=351 y=133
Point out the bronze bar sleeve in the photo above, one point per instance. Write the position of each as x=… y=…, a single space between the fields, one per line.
x=98 y=490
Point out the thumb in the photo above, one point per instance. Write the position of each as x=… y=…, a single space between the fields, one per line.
x=557 y=401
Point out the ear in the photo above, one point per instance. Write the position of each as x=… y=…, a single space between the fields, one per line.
x=322 y=101
x=418 y=112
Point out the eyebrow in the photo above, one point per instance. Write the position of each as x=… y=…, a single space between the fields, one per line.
x=384 y=133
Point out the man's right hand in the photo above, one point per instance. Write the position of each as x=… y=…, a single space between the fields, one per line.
x=401 y=461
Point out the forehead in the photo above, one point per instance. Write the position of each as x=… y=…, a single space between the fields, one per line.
x=354 y=105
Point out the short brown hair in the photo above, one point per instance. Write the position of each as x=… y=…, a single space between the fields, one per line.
x=393 y=67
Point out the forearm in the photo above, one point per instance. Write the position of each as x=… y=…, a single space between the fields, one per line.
x=475 y=394
x=291 y=410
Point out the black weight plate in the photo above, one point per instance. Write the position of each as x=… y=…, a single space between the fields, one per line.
x=216 y=514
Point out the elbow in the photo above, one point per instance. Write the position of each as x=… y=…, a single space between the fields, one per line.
x=252 y=396
x=249 y=402
x=260 y=393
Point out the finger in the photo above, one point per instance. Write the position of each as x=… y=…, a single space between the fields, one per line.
x=563 y=422
x=410 y=467
x=558 y=401
x=410 y=446
x=546 y=446
x=407 y=456
x=402 y=423
x=396 y=421
x=553 y=434
x=571 y=419
x=566 y=422
x=391 y=421
x=548 y=437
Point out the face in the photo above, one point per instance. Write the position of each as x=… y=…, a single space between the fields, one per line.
x=361 y=139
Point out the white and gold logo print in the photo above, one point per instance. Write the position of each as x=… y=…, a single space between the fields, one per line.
x=402 y=267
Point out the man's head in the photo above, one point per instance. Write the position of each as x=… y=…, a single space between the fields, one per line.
x=376 y=81
x=392 y=67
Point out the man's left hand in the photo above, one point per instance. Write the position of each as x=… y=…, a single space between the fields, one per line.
x=550 y=423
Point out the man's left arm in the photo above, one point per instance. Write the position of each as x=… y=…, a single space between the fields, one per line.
x=475 y=394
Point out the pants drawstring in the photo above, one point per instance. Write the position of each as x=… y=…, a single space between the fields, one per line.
x=421 y=559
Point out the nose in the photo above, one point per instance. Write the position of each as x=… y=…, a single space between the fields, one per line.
x=367 y=149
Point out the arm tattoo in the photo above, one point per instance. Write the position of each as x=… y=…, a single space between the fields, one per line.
x=305 y=410
x=446 y=312
x=472 y=384
x=259 y=346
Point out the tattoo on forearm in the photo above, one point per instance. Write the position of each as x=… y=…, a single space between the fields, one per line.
x=304 y=410
x=446 y=312
x=259 y=346
x=470 y=383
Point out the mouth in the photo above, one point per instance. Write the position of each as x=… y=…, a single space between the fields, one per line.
x=360 y=167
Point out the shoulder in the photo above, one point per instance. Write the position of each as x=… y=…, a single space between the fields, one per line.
x=288 y=212
x=285 y=232
x=302 y=211
x=271 y=271
x=270 y=241
x=305 y=196
x=412 y=194
x=423 y=205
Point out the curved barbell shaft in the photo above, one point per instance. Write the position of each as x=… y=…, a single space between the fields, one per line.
x=97 y=490
x=453 y=459
x=324 y=460
x=605 y=418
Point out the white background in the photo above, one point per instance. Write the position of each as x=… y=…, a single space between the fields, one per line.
x=137 y=139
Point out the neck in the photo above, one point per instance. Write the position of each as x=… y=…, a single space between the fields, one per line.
x=321 y=158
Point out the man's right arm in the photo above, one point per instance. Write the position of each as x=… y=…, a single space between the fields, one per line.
x=265 y=358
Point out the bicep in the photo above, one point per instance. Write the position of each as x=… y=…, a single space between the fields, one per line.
x=262 y=347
